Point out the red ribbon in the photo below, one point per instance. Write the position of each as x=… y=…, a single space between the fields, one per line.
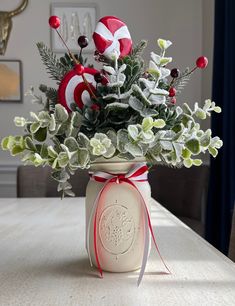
x=139 y=174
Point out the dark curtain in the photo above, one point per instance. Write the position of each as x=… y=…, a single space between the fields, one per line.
x=222 y=177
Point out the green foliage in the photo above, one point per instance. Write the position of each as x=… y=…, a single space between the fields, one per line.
x=53 y=65
x=132 y=117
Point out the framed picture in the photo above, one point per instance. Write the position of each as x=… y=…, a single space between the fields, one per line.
x=76 y=19
x=11 y=81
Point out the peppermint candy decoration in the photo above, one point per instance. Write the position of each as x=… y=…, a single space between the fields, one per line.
x=73 y=89
x=112 y=37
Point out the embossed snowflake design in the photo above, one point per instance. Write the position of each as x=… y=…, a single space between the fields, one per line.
x=116 y=229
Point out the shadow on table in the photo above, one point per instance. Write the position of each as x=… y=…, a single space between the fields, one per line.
x=71 y=268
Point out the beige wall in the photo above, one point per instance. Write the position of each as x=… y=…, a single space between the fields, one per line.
x=188 y=23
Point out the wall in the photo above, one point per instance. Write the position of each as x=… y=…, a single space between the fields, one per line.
x=185 y=22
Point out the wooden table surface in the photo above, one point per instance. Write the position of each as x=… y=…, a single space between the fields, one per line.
x=43 y=261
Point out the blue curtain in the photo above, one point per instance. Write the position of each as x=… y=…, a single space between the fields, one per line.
x=222 y=176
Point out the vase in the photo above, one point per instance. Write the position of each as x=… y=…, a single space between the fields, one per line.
x=120 y=219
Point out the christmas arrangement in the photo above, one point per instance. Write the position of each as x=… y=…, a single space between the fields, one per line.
x=124 y=108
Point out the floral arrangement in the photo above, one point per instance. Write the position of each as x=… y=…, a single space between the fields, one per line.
x=124 y=109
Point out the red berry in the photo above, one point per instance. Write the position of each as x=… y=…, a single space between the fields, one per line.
x=175 y=73
x=173 y=100
x=202 y=62
x=79 y=69
x=83 y=41
x=95 y=107
x=98 y=77
x=54 y=22
x=172 y=92
x=104 y=81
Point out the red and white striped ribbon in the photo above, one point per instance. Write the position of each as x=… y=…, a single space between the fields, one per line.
x=137 y=174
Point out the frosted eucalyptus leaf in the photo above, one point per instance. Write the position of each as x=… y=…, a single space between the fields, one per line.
x=216 y=142
x=154 y=70
x=147 y=137
x=83 y=157
x=157 y=99
x=51 y=152
x=178 y=150
x=5 y=143
x=127 y=156
x=158 y=91
x=200 y=113
x=29 y=144
x=60 y=176
x=156 y=58
x=116 y=106
x=109 y=151
x=164 y=44
x=122 y=139
x=213 y=151
x=217 y=109
x=187 y=109
x=166 y=145
x=69 y=192
x=197 y=162
x=186 y=153
x=71 y=143
x=164 y=73
x=38 y=161
x=156 y=150
x=113 y=137
x=133 y=131
x=135 y=103
x=35 y=127
x=19 y=121
x=134 y=149
x=83 y=140
x=205 y=140
x=159 y=123
x=122 y=96
x=40 y=135
x=122 y=68
x=16 y=150
x=188 y=163
x=147 y=124
x=61 y=113
x=109 y=69
x=63 y=159
x=207 y=104
x=52 y=125
x=193 y=145
x=165 y=60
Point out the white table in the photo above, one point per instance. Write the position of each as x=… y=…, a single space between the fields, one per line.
x=43 y=261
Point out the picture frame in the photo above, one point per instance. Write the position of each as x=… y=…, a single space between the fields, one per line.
x=76 y=19
x=11 y=80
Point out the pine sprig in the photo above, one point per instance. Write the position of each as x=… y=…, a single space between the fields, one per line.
x=182 y=81
x=139 y=48
x=53 y=65
x=50 y=93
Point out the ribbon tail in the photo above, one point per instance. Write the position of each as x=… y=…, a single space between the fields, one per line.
x=154 y=241
x=146 y=247
x=93 y=216
x=95 y=244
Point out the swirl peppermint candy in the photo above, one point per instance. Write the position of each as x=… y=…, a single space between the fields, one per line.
x=73 y=89
x=112 y=37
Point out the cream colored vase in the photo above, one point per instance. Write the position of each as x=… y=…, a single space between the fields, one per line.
x=120 y=220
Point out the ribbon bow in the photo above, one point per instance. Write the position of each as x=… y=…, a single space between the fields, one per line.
x=137 y=174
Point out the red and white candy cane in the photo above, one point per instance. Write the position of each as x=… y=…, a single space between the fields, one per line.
x=73 y=89
x=112 y=37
